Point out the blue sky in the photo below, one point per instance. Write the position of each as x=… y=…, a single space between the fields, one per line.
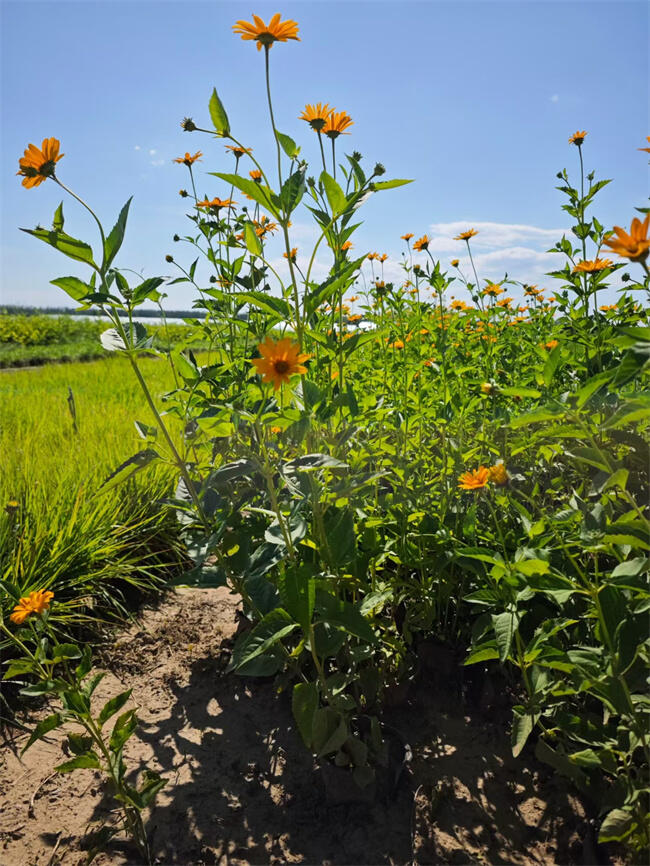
x=474 y=100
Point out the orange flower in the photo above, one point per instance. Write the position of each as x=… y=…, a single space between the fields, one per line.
x=488 y=388
x=39 y=164
x=505 y=302
x=316 y=115
x=372 y=256
x=346 y=246
x=383 y=257
x=455 y=263
x=188 y=160
x=646 y=149
x=238 y=150
x=407 y=237
x=276 y=31
x=265 y=226
x=276 y=429
x=552 y=344
x=634 y=245
x=256 y=174
x=35 y=602
x=607 y=307
x=422 y=243
x=475 y=479
x=356 y=318
x=588 y=267
x=397 y=344
x=465 y=236
x=280 y=360
x=497 y=474
x=353 y=299
x=458 y=305
x=337 y=123
x=292 y=254
x=577 y=138
x=493 y=290
x=216 y=203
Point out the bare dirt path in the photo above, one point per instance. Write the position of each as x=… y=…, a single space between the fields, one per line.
x=241 y=785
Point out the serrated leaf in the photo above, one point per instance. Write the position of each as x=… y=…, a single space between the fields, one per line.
x=334 y=193
x=114 y=705
x=87 y=761
x=116 y=236
x=69 y=246
x=43 y=728
x=389 y=184
x=130 y=467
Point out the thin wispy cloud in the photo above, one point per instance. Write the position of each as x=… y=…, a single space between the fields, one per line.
x=554 y=97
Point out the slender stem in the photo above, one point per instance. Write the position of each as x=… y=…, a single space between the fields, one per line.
x=268 y=94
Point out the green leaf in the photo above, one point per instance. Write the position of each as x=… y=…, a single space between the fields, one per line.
x=561 y=763
x=269 y=630
x=130 y=467
x=147 y=290
x=293 y=190
x=115 y=238
x=504 y=625
x=389 y=184
x=267 y=303
x=519 y=392
x=87 y=761
x=123 y=728
x=288 y=145
x=314 y=461
x=257 y=191
x=334 y=193
x=218 y=114
x=253 y=244
x=298 y=590
x=65 y=651
x=304 y=703
x=152 y=783
x=57 y=222
x=17 y=667
x=522 y=726
x=70 y=247
x=617 y=824
x=532 y=566
x=342 y=614
x=79 y=743
x=113 y=706
x=43 y=728
x=633 y=362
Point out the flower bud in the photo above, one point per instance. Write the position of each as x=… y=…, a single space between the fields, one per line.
x=379 y=169
x=176 y=238
x=169 y=258
x=183 y=193
x=188 y=124
x=356 y=156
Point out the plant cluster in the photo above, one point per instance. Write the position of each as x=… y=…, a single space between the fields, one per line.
x=366 y=464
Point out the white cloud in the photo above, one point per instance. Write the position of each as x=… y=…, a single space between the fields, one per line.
x=153 y=151
x=137 y=147
x=554 y=98
x=157 y=162
x=492 y=234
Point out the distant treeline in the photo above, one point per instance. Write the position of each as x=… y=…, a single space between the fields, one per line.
x=17 y=310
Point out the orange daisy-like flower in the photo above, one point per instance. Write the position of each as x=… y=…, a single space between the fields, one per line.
x=353 y=299
x=465 y=236
x=39 y=163
x=337 y=123
x=346 y=246
x=552 y=344
x=606 y=308
x=407 y=237
x=504 y=302
x=455 y=262
x=577 y=138
x=493 y=290
x=216 y=203
x=634 y=245
x=238 y=150
x=316 y=115
x=458 y=305
x=35 y=602
x=588 y=267
x=397 y=344
x=292 y=254
x=497 y=474
x=188 y=159
x=372 y=256
x=475 y=479
x=256 y=175
x=422 y=244
x=646 y=149
x=383 y=257
x=355 y=318
x=280 y=360
x=265 y=226
x=266 y=35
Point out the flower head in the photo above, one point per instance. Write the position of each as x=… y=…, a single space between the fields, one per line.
x=589 y=267
x=266 y=35
x=337 y=123
x=465 y=236
x=292 y=254
x=238 y=150
x=280 y=360
x=39 y=163
x=455 y=262
x=216 y=203
x=577 y=138
x=35 y=602
x=256 y=175
x=552 y=344
x=492 y=290
x=407 y=237
x=475 y=479
x=422 y=244
x=646 y=149
x=346 y=246
x=316 y=115
x=188 y=159
x=497 y=474
x=634 y=245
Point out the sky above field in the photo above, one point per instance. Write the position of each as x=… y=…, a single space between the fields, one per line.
x=473 y=100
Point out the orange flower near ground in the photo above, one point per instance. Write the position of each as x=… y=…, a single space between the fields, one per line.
x=39 y=163
x=493 y=290
x=422 y=243
x=280 y=360
x=266 y=35
x=188 y=160
x=465 y=236
x=589 y=267
x=276 y=429
x=578 y=137
x=355 y=318
x=634 y=245
x=316 y=115
x=552 y=344
x=475 y=479
x=397 y=344
x=497 y=474
x=35 y=602
x=407 y=237
x=337 y=123
x=216 y=203
x=238 y=150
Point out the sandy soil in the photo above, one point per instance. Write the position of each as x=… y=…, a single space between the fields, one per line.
x=242 y=788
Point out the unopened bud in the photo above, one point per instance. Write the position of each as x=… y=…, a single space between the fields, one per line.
x=379 y=169
x=188 y=124
x=169 y=258
x=183 y=193
x=176 y=238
